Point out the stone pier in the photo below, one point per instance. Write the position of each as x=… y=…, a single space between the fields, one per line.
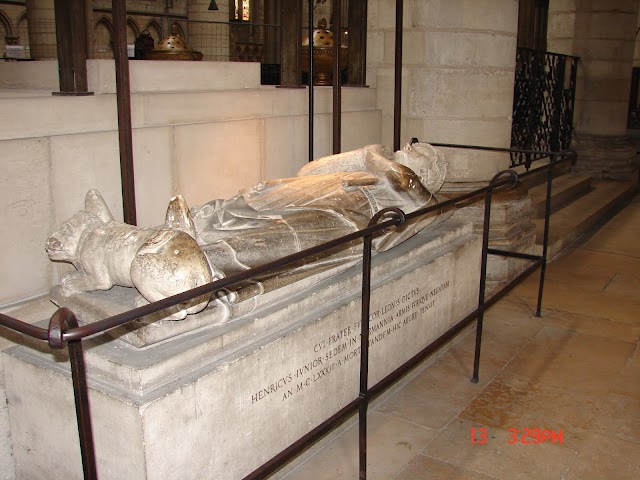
x=603 y=35
x=42 y=29
x=220 y=400
x=458 y=77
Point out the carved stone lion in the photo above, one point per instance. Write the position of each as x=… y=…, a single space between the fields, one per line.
x=158 y=262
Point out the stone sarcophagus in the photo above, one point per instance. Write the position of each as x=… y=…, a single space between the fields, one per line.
x=221 y=385
x=220 y=400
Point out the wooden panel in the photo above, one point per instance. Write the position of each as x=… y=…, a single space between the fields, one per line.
x=72 y=47
x=291 y=42
x=357 y=65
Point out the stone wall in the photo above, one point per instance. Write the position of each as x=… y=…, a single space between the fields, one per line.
x=204 y=130
x=459 y=60
x=603 y=35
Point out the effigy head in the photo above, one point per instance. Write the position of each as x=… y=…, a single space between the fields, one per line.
x=426 y=161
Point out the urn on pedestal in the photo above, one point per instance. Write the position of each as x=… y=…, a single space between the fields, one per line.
x=323 y=54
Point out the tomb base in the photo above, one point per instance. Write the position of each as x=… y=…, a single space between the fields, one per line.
x=218 y=401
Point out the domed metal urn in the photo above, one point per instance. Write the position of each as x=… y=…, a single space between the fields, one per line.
x=174 y=47
x=323 y=54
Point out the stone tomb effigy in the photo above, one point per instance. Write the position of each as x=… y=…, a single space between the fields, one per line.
x=244 y=373
x=221 y=399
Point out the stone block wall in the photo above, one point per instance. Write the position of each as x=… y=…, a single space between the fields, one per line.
x=459 y=60
x=204 y=138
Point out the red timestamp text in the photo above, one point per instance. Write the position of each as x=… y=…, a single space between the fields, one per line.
x=524 y=436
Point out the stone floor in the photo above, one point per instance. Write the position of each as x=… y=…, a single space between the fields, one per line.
x=574 y=374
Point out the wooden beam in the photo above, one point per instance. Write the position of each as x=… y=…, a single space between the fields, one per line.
x=123 y=95
x=72 y=47
x=397 y=88
x=291 y=42
x=357 y=34
x=337 y=76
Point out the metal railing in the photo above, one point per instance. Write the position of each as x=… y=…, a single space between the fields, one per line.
x=64 y=330
x=543 y=104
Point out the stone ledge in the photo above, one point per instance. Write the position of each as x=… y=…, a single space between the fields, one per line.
x=145 y=76
x=29 y=116
x=571 y=222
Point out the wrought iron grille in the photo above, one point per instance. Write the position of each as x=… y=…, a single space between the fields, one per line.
x=543 y=103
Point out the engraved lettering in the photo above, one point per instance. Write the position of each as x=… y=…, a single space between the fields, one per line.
x=343 y=345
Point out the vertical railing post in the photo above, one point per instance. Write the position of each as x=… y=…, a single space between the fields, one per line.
x=310 y=82
x=545 y=242
x=364 y=337
x=483 y=281
x=72 y=47
x=83 y=414
x=364 y=358
x=123 y=99
x=337 y=76
x=61 y=320
x=397 y=86
x=483 y=265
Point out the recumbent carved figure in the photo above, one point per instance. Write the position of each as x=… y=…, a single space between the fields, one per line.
x=328 y=198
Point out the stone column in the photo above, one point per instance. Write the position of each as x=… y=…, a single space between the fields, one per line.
x=458 y=78
x=42 y=29
x=602 y=34
x=212 y=39
x=459 y=62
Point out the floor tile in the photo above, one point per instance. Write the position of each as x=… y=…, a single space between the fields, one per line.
x=498 y=457
x=612 y=241
x=560 y=357
x=619 y=235
x=435 y=397
x=582 y=267
x=624 y=284
x=635 y=358
x=602 y=300
x=513 y=402
x=426 y=468
x=602 y=327
x=605 y=458
x=574 y=372
x=393 y=443
x=628 y=381
x=507 y=327
x=618 y=416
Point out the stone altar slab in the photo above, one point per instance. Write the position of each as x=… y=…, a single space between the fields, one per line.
x=219 y=400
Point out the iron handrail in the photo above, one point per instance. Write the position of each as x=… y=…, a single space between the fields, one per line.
x=534 y=50
x=64 y=330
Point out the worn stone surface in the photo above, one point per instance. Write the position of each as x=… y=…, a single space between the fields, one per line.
x=607 y=158
x=26 y=217
x=449 y=77
x=205 y=399
x=573 y=373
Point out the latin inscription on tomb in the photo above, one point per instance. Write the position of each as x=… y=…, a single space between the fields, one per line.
x=341 y=347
